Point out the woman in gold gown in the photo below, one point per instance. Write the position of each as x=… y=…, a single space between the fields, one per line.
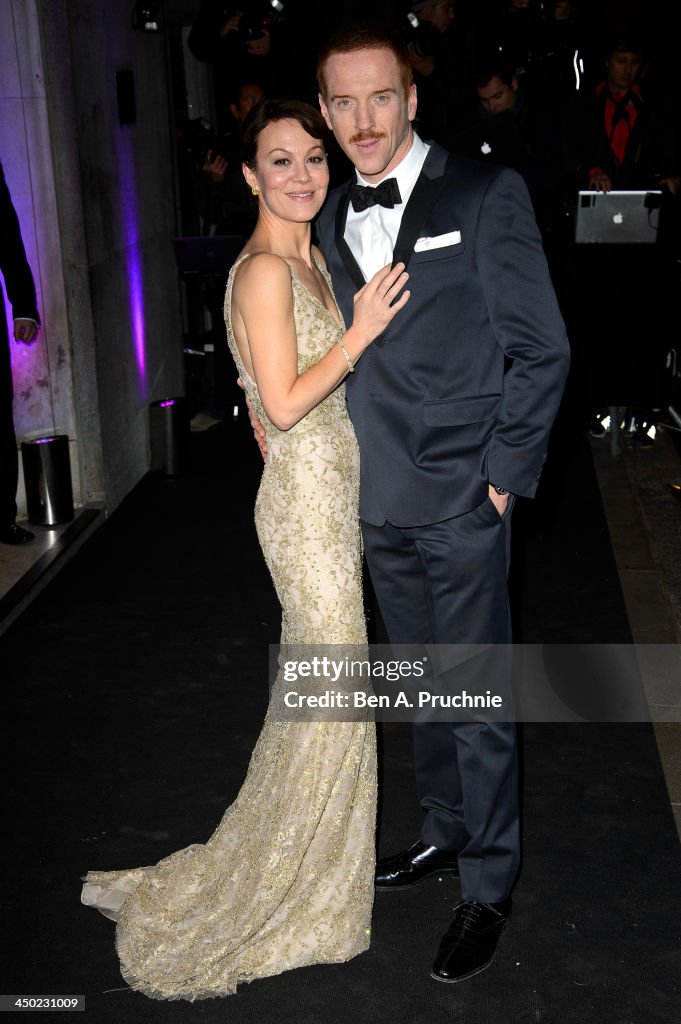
x=286 y=880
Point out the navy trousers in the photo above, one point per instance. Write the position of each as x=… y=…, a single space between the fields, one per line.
x=446 y=583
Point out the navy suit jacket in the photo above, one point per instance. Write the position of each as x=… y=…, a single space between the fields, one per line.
x=13 y=263
x=464 y=385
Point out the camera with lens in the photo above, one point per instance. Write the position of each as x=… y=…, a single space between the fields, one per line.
x=419 y=37
x=252 y=27
x=421 y=44
x=198 y=138
x=255 y=19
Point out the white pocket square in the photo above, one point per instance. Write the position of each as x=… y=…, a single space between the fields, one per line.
x=437 y=241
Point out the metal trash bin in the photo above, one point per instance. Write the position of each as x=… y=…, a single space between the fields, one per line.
x=47 y=478
x=169 y=436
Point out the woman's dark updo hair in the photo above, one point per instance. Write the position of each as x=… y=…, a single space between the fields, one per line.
x=268 y=111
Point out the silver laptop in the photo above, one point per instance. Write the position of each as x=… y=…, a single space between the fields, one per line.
x=618 y=217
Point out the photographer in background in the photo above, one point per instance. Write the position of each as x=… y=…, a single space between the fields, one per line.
x=227 y=205
x=221 y=203
x=244 y=42
x=216 y=199
x=519 y=33
x=440 y=58
x=513 y=129
x=619 y=135
x=623 y=137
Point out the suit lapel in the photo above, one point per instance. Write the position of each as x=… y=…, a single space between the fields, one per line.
x=421 y=201
x=349 y=260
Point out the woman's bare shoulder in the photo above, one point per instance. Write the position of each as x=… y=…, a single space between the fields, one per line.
x=262 y=273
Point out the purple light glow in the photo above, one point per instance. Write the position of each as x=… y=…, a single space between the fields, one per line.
x=44 y=440
x=22 y=357
x=8 y=316
x=164 y=405
x=133 y=254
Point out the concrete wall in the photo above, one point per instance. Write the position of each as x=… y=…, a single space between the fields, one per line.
x=96 y=203
x=42 y=372
x=126 y=184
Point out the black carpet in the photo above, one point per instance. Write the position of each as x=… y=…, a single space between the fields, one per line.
x=135 y=686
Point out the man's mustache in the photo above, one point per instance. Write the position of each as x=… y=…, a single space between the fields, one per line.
x=367 y=136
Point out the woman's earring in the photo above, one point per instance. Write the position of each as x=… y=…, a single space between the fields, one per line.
x=255 y=191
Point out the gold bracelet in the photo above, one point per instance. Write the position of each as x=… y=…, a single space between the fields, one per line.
x=351 y=365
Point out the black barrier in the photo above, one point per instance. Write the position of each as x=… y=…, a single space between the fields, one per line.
x=169 y=436
x=47 y=477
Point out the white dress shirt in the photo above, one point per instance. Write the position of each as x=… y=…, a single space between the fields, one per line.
x=372 y=233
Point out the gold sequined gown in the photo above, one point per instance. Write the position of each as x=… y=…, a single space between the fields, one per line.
x=286 y=880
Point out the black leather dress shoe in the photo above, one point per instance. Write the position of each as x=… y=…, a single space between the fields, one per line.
x=413 y=865
x=13 y=534
x=469 y=945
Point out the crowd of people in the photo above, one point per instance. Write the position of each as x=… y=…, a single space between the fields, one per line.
x=569 y=102
x=403 y=374
x=403 y=377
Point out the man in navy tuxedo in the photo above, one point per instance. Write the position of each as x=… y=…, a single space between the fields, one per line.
x=452 y=407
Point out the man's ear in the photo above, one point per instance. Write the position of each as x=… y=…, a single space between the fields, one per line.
x=234 y=111
x=412 y=102
x=325 y=111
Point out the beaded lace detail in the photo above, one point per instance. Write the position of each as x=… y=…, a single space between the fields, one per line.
x=286 y=880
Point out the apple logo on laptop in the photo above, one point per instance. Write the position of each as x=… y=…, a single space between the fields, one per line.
x=618 y=218
x=485 y=148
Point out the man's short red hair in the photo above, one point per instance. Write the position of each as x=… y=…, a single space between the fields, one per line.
x=367 y=35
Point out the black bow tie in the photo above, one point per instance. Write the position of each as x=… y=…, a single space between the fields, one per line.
x=385 y=194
